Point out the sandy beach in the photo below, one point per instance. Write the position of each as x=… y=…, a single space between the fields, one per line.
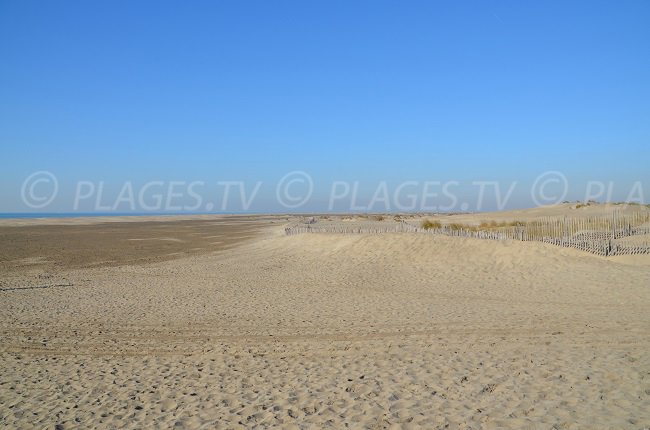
x=226 y=322
x=325 y=215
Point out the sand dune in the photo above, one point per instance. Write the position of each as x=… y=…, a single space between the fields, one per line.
x=311 y=331
x=570 y=210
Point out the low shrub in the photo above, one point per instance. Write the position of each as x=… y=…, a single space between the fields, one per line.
x=428 y=224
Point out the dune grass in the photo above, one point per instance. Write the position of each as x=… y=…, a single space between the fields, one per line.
x=428 y=224
x=494 y=224
x=485 y=225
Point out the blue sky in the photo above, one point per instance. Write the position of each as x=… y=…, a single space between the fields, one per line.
x=345 y=91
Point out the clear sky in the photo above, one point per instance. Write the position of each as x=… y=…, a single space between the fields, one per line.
x=372 y=91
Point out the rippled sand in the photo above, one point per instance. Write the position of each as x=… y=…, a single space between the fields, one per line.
x=311 y=331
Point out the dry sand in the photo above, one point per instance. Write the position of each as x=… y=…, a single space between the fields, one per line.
x=315 y=330
x=569 y=210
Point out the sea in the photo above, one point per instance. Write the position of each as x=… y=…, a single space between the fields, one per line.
x=98 y=214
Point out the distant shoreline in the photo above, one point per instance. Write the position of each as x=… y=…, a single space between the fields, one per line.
x=29 y=215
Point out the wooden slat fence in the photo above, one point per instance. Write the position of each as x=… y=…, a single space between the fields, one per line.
x=597 y=235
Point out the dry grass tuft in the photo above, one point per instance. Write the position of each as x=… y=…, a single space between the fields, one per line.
x=428 y=224
x=487 y=225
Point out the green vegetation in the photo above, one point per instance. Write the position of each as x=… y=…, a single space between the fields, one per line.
x=628 y=204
